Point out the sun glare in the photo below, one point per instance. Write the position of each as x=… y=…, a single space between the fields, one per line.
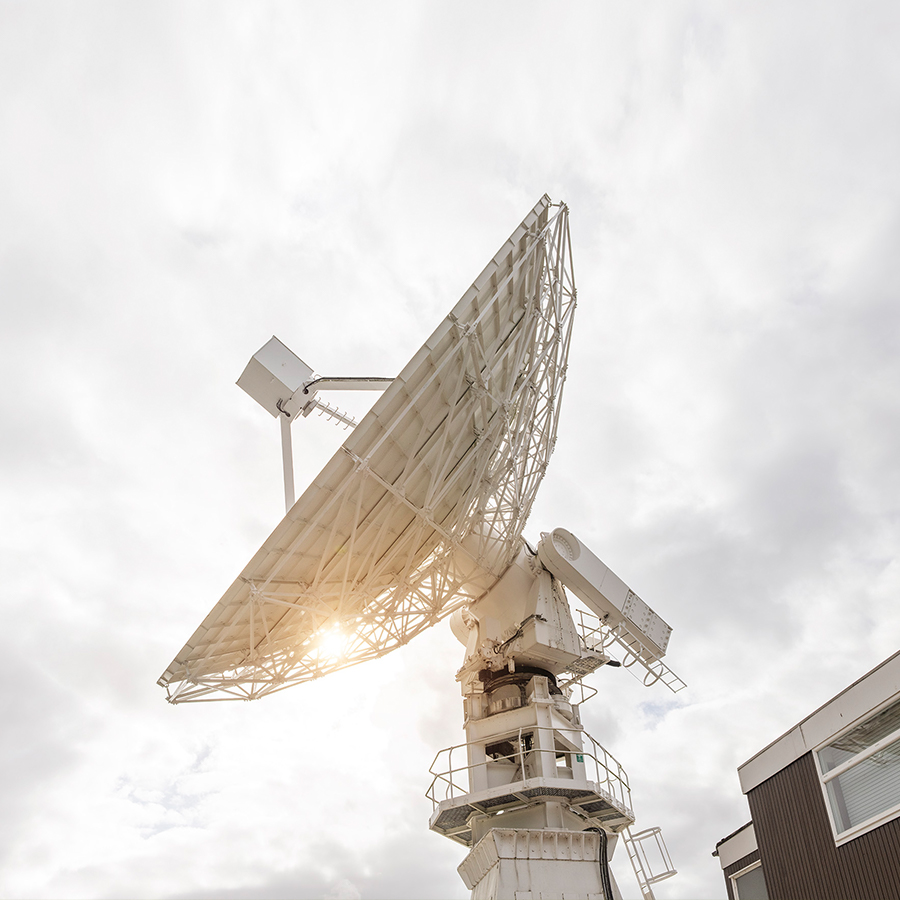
x=332 y=644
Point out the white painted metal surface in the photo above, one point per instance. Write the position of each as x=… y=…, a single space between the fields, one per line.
x=287 y=461
x=273 y=374
x=559 y=759
x=284 y=386
x=603 y=591
x=422 y=508
x=536 y=863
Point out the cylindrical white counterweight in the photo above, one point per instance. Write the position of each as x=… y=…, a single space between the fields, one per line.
x=602 y=590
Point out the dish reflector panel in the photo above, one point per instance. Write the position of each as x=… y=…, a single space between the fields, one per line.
x=421 y=510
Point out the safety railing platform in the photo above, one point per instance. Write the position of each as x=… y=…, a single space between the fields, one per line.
x=588 y=779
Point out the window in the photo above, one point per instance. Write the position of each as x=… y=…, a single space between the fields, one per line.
x=749 y=884
x=860 y=772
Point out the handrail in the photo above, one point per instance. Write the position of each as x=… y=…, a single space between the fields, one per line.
x=456 y=781
x=596 y=635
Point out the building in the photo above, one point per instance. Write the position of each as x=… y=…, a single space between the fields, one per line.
x=825 y=803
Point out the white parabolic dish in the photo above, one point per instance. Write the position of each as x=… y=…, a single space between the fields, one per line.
x=422 y=508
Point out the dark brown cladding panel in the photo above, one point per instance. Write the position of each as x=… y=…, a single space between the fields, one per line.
x=736 y=867
x=796 y=845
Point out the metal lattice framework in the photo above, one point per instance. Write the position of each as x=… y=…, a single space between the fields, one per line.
x=422 y=508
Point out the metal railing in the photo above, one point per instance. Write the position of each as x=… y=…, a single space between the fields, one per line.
x=454 y=779
x=598 y=636
x=643 y=864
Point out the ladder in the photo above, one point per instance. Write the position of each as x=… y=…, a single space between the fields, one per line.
x=637 y=855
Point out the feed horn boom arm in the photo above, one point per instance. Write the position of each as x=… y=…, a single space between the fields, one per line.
x=604 y=593
x=285 y=386
x=347 y=384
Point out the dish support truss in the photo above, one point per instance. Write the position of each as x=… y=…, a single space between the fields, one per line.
x=421 y=510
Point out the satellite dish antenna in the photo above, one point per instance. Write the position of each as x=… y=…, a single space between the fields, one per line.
x=419 y=516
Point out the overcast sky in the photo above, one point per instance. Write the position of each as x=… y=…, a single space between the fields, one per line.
x=179 y=182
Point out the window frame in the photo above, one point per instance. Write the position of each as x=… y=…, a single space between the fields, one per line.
x=879 y=819
x=735 y=875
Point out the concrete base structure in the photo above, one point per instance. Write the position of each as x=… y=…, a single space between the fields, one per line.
x=536 y=865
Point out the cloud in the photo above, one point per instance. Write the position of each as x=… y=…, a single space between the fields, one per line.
x=178 y=185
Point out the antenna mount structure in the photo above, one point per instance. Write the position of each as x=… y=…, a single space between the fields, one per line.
x=418 y=517
x=286 y=387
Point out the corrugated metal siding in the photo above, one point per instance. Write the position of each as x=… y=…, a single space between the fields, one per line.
x=797 y=848
x=736 y=867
